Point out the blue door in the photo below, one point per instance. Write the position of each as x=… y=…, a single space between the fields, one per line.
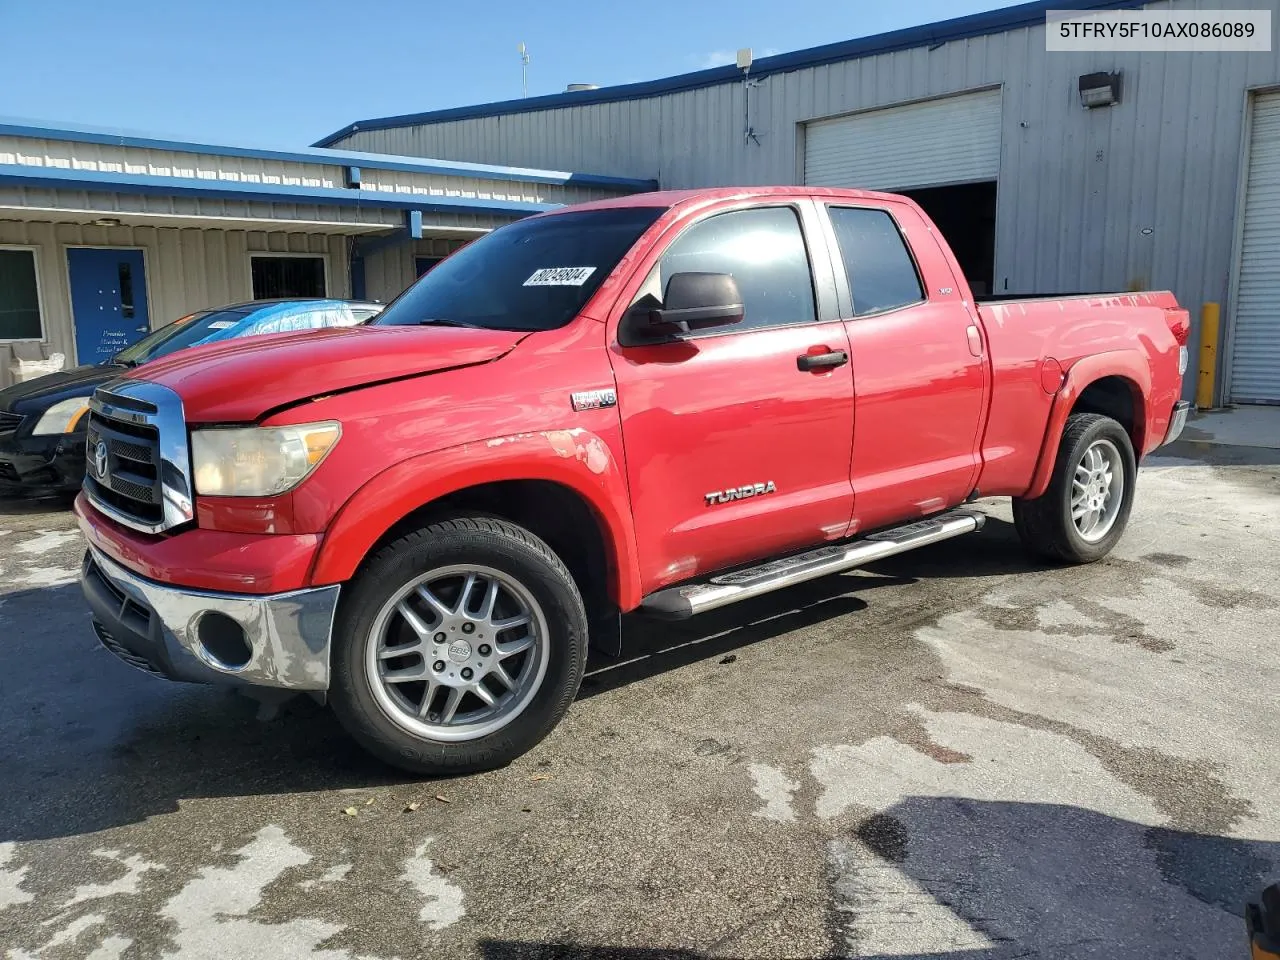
x=108 y=301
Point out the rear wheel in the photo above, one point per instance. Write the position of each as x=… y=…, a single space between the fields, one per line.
x=1084 y=511
x=459 y=647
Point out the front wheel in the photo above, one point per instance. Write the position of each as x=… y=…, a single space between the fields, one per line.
x=1084 y=511
x=459 y=647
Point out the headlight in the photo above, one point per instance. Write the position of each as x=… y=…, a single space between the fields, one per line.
x=258 y=461
x=63 y=417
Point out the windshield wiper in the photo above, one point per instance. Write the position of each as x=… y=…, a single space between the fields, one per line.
x=447 y=322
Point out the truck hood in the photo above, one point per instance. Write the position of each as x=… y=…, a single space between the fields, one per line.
x=241 y=380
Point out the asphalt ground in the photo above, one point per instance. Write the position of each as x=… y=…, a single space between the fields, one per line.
x=956 y=754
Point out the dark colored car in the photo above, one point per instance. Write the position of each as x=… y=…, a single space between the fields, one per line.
x=42 y=421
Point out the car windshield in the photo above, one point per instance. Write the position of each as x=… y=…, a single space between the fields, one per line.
x=181 y=333
x=530 y=275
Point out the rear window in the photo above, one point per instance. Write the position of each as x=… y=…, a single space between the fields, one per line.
x=533 y=274
x=881 y=273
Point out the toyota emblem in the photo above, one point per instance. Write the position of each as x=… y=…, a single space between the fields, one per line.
x=100 y=460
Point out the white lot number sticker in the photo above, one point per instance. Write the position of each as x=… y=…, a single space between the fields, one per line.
x=559 y=277
x=222 y=324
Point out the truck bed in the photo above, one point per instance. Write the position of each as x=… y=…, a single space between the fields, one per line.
x=1033 y=340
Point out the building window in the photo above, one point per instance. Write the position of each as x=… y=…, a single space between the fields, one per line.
x=275 y=277
x=19 y=296
x=423 y=265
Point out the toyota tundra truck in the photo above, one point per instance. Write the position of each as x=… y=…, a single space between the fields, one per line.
x=664 y=403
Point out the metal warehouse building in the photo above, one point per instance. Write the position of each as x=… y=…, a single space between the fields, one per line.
x=104 y=236
x=1171 y=179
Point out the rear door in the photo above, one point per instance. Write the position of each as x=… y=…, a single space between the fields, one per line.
x=736 y=448
x=919 y=375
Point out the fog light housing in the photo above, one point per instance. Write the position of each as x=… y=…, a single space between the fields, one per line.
x=223 y=641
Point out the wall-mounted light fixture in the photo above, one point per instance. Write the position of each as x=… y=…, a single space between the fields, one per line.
x=106 y=222
x=1099 y=90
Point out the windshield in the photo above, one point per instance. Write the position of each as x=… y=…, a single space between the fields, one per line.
x=181 y=333
x=530 y=275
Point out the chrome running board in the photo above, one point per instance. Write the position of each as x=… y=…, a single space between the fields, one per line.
x=682 y=602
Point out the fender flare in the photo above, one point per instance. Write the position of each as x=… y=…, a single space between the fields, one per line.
x=1130 y=365
x=574 y=458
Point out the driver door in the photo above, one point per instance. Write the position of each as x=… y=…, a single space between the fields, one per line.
x=737 y=447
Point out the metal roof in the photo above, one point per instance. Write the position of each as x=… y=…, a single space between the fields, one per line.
x=484 y=171
x=929 y=34
x=53 y=178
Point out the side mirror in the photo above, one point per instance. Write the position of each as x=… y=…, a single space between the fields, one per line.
x=696 y=301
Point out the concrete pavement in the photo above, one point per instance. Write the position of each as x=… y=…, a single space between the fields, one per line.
x=956 y=754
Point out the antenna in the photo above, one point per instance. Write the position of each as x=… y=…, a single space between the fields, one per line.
x=524 y=69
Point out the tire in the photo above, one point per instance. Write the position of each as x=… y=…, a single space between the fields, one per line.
x=388 y=716
x=1046 y=525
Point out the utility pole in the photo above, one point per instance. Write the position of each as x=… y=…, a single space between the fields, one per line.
x=524 y=70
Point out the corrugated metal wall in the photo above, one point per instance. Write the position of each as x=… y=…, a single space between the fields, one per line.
x=185 y=269
x=1137 y=195
x=388 y=271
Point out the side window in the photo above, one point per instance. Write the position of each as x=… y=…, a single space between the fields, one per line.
x=763 y=250
x=877 y=262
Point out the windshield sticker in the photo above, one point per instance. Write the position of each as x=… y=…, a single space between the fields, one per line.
x=559 y=277
x=221 y=324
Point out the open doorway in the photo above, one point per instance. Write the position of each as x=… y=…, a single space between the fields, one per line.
x=966 y=215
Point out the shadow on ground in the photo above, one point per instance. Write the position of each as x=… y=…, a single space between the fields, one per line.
x=71 y=714
x=1217 y=454
x=1012 y=880
x=26 y=506
x=651 y=647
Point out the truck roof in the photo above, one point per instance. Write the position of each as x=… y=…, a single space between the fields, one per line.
x=671 y=198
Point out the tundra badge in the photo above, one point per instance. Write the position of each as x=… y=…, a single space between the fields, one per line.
x=739 y=493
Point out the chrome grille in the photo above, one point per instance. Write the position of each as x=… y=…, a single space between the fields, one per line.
x=136 y=460
x=9 y=421
x=120 y=466
x=137 y=452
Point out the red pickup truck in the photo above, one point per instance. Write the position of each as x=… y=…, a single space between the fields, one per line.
x=664 y=403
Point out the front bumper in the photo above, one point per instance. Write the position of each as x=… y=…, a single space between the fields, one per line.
x=32 y=466
x=1177 y=421
x=276 y=640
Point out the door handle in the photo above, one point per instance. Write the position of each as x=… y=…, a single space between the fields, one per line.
x=975 y=340
x=822 y=361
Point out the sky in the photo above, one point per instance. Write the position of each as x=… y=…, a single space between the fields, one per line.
x=287 y=72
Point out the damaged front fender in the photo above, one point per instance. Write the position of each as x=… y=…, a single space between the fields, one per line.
x=573 y=458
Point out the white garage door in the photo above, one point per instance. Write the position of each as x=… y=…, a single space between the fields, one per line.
x=926 y=144
x=1255 y=341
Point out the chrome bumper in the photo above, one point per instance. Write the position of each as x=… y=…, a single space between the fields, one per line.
x=1178 y=421
x=281 y=640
